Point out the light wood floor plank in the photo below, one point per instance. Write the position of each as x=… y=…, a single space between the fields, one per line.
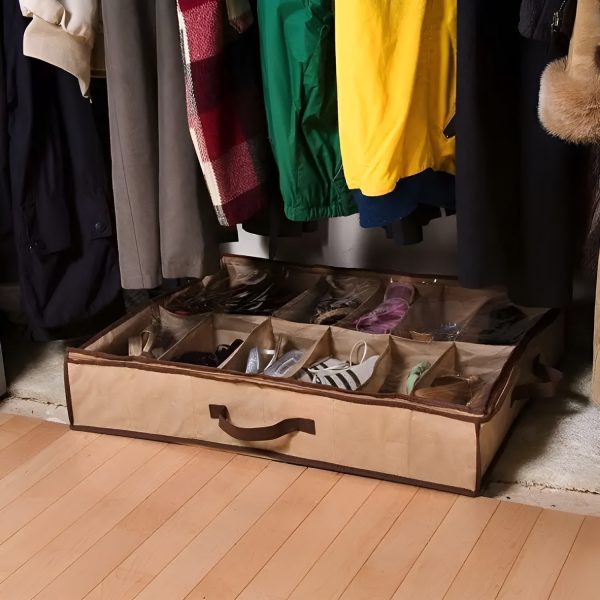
x=433 y=572
x=180 y=577
x=71 y=543
x=21 y=425
x=141 y=567
x=7 y=438
x=4 y=417
x=15 y=551
x=91 y=568
x=45 y=492
x=37 y=467
x=537 y=567
x=580 y=576
x=237 y=568
x=393 y=558
x=14 y=427
x=278 y=578
x=336 y=567
x=491 y=559
x=28 y=445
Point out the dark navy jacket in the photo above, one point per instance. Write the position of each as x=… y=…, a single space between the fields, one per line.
x=55 y=193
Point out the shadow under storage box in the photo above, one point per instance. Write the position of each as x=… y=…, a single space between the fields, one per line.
x=413 y=379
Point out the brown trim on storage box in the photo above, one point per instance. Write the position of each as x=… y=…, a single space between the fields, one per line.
x=267 y=454
x=68 y=386
x=478 y=473
x=329 y=269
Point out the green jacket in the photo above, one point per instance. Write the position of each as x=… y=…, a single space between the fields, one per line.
x=298 y=65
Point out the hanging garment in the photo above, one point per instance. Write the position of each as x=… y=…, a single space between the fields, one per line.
x=8 y=253
x=543 y=20
x=396 y=87
x=515 y=184
x=271 y=222
x=58 y=193
x=63 y=33
x=569 y=108
x=415 y=202
x=432 y=188
x=298 y=65
x=569 y=104
x=166 y=226
x=409 y=230
x=225 y=105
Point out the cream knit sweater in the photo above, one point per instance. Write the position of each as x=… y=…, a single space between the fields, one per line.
x=63 y=33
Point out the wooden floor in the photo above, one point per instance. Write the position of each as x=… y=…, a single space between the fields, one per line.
x=100 y=517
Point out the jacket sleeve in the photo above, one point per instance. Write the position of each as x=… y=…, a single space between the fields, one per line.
x=62 y=34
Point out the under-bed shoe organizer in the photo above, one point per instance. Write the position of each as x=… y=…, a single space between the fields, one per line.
x=405 y=378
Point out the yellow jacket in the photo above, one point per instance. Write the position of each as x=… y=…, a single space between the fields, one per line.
x=396 y=76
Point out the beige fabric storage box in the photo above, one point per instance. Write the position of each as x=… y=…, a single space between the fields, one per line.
x=378 y=431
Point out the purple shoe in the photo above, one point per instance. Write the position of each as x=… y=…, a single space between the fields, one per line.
x=388 y=315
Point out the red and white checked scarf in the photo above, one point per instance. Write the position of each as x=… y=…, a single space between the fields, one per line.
x=225 y=105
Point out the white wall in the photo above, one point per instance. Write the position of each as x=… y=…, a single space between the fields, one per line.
x=342 y=242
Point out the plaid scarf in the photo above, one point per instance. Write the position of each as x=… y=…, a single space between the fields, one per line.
x=225 y=105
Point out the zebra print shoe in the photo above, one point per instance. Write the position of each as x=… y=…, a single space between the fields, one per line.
x=342 y=374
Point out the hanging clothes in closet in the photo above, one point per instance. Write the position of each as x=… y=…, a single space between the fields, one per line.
x=65 y=35
x=299 y=78
x=166 y=226
x=225 y=105
x=226 y=115
x=397 y=100
x=9 y=272
x=55 y=181
x=569 y=108
x=516 y=185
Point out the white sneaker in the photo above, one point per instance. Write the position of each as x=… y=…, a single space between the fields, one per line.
x=341 y=374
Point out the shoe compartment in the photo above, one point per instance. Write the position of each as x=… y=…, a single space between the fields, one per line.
x=263 y=288
x=410 y=361
x=272 y=343
x=384 y=312
x=441 y=312
x=151 y=330
x=342 y=345
x=333 y=299
x=116 y=340
x=215 y=331
x=463 y=376
x=499 y=322
x=201 y=297
x=243 y=286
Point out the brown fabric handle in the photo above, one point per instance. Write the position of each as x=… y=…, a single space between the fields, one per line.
x=259 y=434
x=546 y=388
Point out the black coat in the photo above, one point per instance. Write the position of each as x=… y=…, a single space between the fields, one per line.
x=537 y=19
x=56 y=187
x=515 y=184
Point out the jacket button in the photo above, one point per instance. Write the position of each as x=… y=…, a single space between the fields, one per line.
x=100 y=227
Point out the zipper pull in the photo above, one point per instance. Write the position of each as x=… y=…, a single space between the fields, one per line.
x=557 y=21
